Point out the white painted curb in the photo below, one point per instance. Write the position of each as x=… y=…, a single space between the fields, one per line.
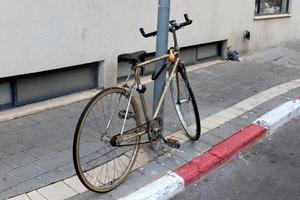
x=162 y=189
x=279 y=116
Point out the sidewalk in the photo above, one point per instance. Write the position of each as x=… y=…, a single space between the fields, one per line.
x=35 y=150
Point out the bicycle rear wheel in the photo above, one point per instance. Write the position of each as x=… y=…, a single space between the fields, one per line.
x=185 y=105
x=100 y=166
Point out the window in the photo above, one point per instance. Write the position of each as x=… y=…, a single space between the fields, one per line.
x=269 y=7
x=29 y=88
x=5 y=94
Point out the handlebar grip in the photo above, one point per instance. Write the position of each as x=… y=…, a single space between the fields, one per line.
x=188 y=21
x=146 y=35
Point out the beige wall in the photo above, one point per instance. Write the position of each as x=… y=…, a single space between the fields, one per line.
x=40 y=35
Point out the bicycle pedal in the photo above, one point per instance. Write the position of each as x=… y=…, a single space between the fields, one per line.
x=173 y=143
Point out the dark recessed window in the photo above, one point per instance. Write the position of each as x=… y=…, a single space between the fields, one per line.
x=271 y=7
x=29 y=88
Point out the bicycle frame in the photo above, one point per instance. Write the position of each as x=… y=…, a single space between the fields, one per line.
x=175 y=64
x=172 y=66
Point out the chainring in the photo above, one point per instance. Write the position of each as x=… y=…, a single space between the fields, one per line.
x=152 y=128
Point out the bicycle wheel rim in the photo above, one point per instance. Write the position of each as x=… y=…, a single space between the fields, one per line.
x=76 y=146
x=189 y=119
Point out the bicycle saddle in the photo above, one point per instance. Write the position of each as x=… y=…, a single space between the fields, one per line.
x=133 y=58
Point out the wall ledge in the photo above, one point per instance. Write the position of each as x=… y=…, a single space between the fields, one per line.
x=263 y=17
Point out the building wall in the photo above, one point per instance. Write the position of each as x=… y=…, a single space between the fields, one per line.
x=43 y=35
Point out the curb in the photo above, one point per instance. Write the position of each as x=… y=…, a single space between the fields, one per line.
x=175 y=182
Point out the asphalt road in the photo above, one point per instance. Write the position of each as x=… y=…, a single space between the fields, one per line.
x=268 y=170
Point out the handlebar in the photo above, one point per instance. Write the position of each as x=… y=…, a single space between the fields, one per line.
x=173 y=26
x=187 y=22
x=146 y=35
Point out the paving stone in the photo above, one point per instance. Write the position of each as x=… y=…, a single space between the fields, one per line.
x=26 y=172
x=54 y=160
x=293 y=45
x=73 y=108
x=46 y=162
x=207 y=109
x=2 y=143
x=80 y=103
x=21 y=197
x=7 y=194
x=15 y=148
x=68 y=167
x=242 y=121
x=41 y=117
x=20 y=159
x=196 y=146
x=133 y=182
x=29 y=186
x=7 y=181
x=12 y=136
x=269 y=55
x=224 y=131
x=169 y=161
x=35 y=195
x=22 y=122
x=64 y=156
x=49 y=126
x=5 y=166
x=40 y=150
x=29 y=131
x=172 y=125
x=4 y=128
x=3 y=154
x=152 y=169
x=61 y=144
x=272 y=104
x=57 y=191
x=187 y=153
x=67 y=121
x=75 y=184
x=211 y=139
x=58 y=113
x=46 y=137
x=92 y=196
x=56 y=175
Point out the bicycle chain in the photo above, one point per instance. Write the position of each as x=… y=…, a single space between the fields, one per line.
x=144 y=126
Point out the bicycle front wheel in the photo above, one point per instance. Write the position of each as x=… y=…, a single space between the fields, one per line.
x=100 y=166
x=185 y=105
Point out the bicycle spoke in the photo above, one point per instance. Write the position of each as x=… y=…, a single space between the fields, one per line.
x=184 y=105
x=103 y=166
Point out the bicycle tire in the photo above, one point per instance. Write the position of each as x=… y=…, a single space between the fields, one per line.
x=179 y=77
x=77 y=147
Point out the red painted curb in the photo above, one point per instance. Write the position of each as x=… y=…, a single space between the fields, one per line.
x=223 y=151
x=197 y=167
x=237 y=142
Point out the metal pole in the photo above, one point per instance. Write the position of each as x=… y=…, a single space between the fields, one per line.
x=161 y=49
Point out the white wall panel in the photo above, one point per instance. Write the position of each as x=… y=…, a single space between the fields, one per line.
x=40 y=35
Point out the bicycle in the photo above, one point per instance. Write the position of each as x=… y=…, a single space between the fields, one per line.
x=110 y=131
